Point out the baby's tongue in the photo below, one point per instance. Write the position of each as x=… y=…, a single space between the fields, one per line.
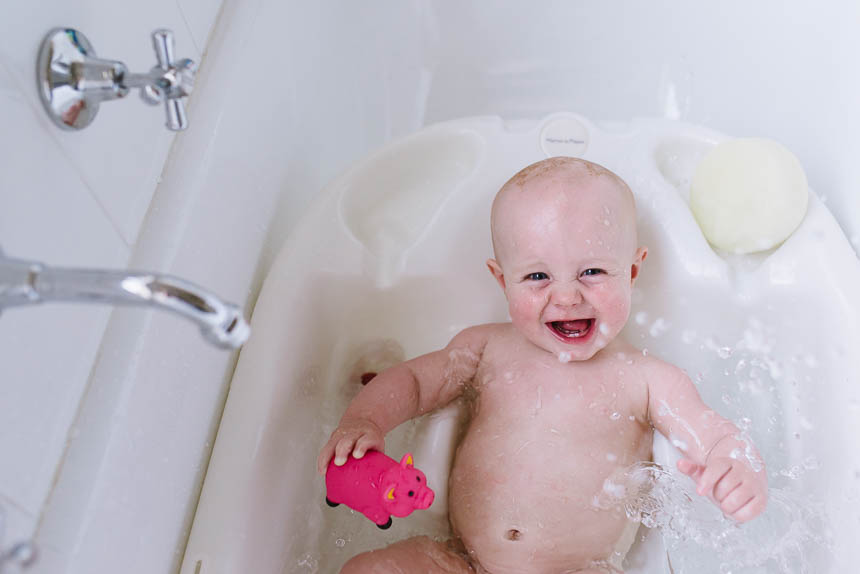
x=578 y=325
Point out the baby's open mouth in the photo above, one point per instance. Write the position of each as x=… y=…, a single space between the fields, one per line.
x=571 y=330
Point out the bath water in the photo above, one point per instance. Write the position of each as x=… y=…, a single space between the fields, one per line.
x=788 y=538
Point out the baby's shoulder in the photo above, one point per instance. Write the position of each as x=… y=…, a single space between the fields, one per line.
x=478 y=337
x=647 y=365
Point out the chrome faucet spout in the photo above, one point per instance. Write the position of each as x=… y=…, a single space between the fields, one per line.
x=27 y=282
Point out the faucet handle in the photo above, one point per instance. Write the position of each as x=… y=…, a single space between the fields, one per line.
x=174 y=80
x=176 y=119
x=181 y=73
x=162 y=41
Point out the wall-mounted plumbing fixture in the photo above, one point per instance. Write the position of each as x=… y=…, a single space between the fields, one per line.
x=73 y=82
x=28 y=282
x=18 y=556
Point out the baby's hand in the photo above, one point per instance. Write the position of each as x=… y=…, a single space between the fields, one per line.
x=356 y=437
x=739 y=491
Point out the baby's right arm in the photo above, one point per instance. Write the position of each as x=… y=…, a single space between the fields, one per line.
x=402 y=392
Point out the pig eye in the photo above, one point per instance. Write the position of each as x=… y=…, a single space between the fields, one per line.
x=411 y=493
x=418 y=478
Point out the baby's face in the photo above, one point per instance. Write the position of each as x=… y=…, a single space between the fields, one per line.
x=566 y=257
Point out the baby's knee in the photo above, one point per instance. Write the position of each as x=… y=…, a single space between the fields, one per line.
x=419 y=555
x=366 y=563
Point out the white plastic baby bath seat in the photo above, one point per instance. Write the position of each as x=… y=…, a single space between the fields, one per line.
x=389 y=264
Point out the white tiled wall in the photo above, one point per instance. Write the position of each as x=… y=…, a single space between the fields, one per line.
x=70 y=199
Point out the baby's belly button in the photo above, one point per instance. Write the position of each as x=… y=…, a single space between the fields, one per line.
x=509 y=549
x=562 y=530
x=496 y=524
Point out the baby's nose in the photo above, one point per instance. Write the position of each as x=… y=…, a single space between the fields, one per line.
x=566 y=294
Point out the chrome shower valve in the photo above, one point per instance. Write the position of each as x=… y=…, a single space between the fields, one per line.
x=73 y=81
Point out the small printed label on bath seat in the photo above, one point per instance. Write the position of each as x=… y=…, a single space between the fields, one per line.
x=564 y=136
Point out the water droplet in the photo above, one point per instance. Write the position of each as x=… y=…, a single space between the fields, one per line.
x=340 y=542
x=308 y=563
x=793 y=473
x=679 y=444
x=658 y=327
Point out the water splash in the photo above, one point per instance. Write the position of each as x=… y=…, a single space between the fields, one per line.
x=307 y=564
x=700 y=540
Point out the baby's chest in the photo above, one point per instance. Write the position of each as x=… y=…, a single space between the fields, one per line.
x=557 y=431
x=562 y=396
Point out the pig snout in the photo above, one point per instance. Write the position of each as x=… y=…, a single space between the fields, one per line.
x=424 y=499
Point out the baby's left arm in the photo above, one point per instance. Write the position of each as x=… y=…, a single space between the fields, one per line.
x=721 y=459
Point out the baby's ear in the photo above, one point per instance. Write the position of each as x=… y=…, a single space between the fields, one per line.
x=496 y=270
x=640 y=256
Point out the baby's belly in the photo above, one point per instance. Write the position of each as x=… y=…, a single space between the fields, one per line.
x=531 y=509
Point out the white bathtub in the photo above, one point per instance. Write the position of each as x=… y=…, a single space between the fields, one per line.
x=334 y=80
x=389 y=263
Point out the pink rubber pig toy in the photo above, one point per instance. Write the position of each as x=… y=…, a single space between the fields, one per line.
x=378 y=486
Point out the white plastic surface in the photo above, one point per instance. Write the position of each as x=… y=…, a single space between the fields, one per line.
x=333 y=297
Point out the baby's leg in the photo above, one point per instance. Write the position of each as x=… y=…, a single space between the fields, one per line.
x=419 y=555
x=600 y=569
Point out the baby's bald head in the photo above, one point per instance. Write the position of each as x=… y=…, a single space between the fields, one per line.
x=575 y=191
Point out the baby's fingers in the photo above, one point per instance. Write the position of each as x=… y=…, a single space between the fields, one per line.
x=339 y=447
x=343 y=448
x=751 y=509
x=739 y=498
x=365 y=443
x=713 y=473
x=727 y=484
x=690 y=468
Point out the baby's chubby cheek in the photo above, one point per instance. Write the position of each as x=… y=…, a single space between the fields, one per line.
x=525 y=306
x=614 y=310
x=518 y=311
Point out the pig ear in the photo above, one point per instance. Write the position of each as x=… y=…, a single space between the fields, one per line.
x=390 y=494
x=406 y=460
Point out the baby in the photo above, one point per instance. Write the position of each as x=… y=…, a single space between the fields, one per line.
x=560 y=402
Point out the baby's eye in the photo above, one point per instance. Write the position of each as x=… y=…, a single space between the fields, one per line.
x=538 y=276
x=593 y=271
